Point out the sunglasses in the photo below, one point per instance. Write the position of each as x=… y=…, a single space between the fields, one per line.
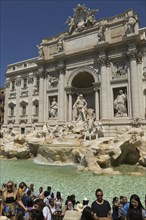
x=99 y=195
x=9 y=185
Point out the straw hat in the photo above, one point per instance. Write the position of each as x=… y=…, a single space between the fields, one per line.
x=4 y=218
x=79 y=207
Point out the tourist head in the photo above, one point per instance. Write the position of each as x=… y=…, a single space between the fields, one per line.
x=35 y=215
x=46 y=193
x=125 y=199
x=52 y=202
x=87 y=214
x=40 y=189
x=58 y=195
x=115 y=200
x=10 y=186
x=79 y=207
x=22 y=186
x=121 y=199
x=99 y=195
x=85 y=201
x=135 y=202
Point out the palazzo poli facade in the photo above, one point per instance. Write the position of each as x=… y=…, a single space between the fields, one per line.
x=103 y=61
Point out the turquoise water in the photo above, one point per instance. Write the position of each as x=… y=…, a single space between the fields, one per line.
x=69 y=180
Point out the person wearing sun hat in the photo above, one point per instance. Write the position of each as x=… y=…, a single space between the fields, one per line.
x=85 y=202
x=4 y=218
x=80 y=207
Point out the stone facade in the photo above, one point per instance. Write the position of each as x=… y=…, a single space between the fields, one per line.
x=104 y=60
x=2 y=102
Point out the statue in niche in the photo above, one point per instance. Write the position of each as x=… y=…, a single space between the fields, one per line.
x=100 y=34
x=119 y=70
x=53 y=81
x=130 y=24
x=120 y=104
x=53 y=112
x=60 y=45
x=40 y=51
x=80 y=107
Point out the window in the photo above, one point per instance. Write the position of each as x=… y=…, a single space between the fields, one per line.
x=24 y=83
x=25 y=64
x=13 y=67
x=36 y=110
x=22 y=130
x=11 y=111
x=13 y=85
x=23 y=110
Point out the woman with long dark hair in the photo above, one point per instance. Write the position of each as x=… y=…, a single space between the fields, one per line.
x=87 y=214
x=136 y=210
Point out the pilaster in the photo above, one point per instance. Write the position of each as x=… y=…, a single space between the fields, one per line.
x=7 y=90
x=61 y=93
x=30 y=92
x=41 y=95
x=132 y=55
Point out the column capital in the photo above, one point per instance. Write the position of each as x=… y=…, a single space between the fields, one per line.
x=30 y=79
x=102 y=60
x=139 y=57
x=61 y=69
x=132 y=54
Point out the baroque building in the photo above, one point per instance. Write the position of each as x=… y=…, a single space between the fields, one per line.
x=103 y=61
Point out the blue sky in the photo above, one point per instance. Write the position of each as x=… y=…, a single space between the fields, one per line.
x=25 y=23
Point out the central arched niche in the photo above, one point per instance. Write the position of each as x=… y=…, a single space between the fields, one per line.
x=83 y=80
x=83 y=84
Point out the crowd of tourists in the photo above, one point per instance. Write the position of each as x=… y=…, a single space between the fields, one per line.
x=19 y=202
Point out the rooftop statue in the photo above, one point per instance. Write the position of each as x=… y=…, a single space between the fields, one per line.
x=40 y=51
x=82 y=19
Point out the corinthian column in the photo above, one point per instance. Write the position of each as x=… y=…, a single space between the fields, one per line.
x=135 y=102
x=7 y=90
x=30 y=91
x=104 y=88
x=17 y=115
x=61 y=94
x=41 y=96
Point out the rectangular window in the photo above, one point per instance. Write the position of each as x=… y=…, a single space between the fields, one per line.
x=25 y=83
x=36 y=110
x=11 y=111
x=13 y=85
x=23 y=110
x=22 y=130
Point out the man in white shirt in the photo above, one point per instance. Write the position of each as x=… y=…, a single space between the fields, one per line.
x=49 y=210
